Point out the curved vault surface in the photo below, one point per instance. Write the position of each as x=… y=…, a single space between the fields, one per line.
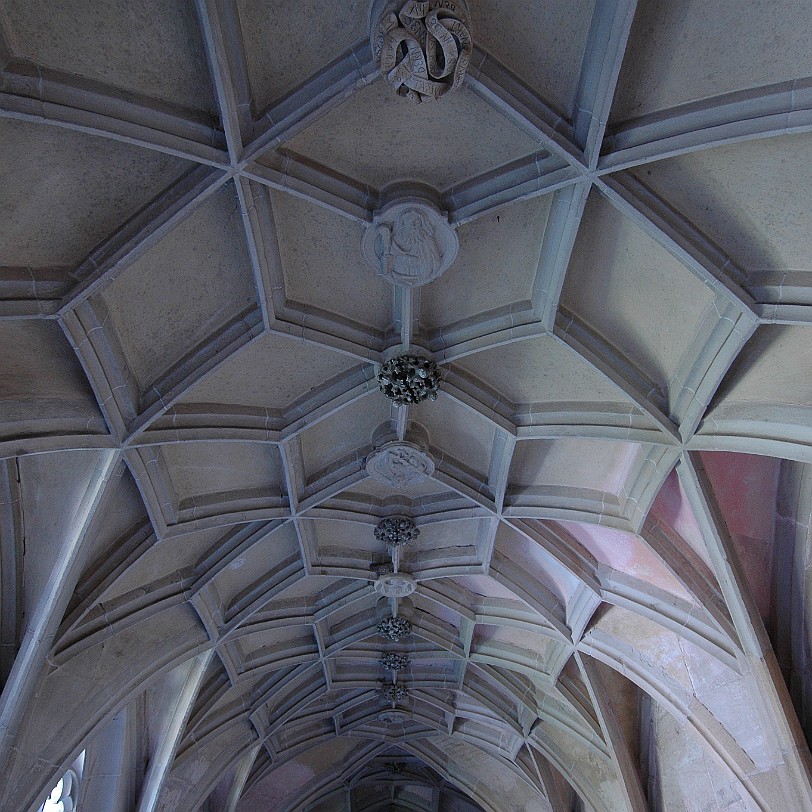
x=611 y=570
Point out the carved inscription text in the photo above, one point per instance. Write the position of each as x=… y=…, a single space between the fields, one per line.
x=423 y=47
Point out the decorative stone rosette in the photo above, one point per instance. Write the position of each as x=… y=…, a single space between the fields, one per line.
x=422 y=47
x=394 y=660
x=394 y=628
x=410 y=243
x=394 y=691
x=408 y=379
x=393 y=767
x=395 y=531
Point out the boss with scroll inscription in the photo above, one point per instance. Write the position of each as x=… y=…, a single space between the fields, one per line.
x=422 y=47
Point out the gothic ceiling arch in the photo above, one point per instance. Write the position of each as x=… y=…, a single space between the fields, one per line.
x=220 y=227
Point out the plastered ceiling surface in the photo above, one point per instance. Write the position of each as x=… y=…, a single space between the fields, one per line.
x=613 y=498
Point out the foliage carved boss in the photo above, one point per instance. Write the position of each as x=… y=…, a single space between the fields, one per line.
x=422 y=47
x=409 y=379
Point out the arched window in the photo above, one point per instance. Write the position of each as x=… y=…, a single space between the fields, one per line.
x=64 y=796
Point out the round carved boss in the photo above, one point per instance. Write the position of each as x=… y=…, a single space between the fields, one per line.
x=396 y=585
x=395 y=531
x=394 y=717
x=399 y=465
x=394 y=628
x=394 y=691
x=409 y=379
x=394 y=660
x=422 y=47
x=410 y=243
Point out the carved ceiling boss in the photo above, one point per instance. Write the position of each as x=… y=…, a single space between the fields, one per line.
x=410 y=243
x=399 y=465
x=422 y=47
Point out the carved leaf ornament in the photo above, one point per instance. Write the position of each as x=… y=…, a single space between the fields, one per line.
x=409 y=379
x=424 y=49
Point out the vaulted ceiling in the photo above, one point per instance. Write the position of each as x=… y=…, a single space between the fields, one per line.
x=613 y=563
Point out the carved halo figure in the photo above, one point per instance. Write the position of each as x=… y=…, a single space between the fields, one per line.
x=410 y=243
x=407 y=249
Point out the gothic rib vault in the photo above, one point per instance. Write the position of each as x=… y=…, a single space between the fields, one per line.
x=612 y=489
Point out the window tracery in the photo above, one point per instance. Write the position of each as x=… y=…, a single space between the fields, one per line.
x=65 y=794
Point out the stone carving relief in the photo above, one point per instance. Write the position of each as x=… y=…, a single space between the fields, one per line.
x=394 y=628
x=394 y=661
x=410 y=243
x=409 y=379
x=396 y=585
x=422 y=47
x=399 y=465
x=394 y=691
x=395 y=531
x=394 y=717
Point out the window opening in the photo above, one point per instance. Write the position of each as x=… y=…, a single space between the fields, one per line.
x=64 y=795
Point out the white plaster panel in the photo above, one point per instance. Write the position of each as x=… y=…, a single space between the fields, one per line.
x=41 y=378
x=455 y=429
x=730 y=699
x=438 y=541
x=279 y=640
x=658 y=650
x=55 y=205
x=542 y=370
x=526 y=643
x=287 y=43
x=628 y=554
x=172 y=556
x=184 y=289
x=673 y=509
x=414 y=490
x=378 y=137
x=753 y=199
x=602 y=465
x=123 y=513
x=536 y=563
x=153 y=48
x=344 y=433
x=633 y=292
x=346 y=539
x=542 y=43
x=495 y=267
x=287 y=781
x=257 y=562
x=272 y=372
x=485 y=586
x=686 y=775
x=482 y=772
x=678 y=52
x=323 y=265
x=772 y=368
x=308 y=590
x=220 y=469
x=53 y=487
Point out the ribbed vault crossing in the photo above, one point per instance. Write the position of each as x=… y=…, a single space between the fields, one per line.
x=611 y=609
